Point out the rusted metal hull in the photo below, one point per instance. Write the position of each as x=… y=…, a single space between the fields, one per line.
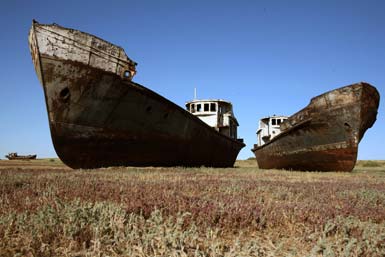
x=324 y=136
x=99 y=118
x=22 y=157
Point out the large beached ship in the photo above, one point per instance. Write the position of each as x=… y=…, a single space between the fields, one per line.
x=99 y=117
x=323 y=136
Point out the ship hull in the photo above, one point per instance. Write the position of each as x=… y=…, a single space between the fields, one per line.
x=325 y=135
x=99 y=119
x=23 y=157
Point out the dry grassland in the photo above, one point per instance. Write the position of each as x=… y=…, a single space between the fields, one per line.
x=47 y=209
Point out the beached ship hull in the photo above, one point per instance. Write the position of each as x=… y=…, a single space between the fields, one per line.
x=325 y=135
x=98 y=117
x=21 y=157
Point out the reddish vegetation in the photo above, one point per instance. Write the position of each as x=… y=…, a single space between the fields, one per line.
x=283 y=204
x=228 y=199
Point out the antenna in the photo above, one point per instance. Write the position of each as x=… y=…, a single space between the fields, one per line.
x=195 y=93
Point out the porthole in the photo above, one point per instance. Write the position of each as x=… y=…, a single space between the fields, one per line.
x=126 y=74
x=64 y=94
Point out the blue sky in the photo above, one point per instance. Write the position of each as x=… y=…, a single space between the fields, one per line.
x=266 y=57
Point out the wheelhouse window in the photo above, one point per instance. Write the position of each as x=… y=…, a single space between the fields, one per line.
x=199 y=107
x=278 y=121
x=213 y=107
x=192 y=108
x=206 y=107
x=273 y=122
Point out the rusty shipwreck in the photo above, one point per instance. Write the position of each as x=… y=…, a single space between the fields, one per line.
x=323 y=136
x=99 y=117
x=15 y=156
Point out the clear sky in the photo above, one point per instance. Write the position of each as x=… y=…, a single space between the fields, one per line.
x=266 y=57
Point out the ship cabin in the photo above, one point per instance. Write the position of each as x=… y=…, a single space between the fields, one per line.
x=269 y=127
x=217 y=114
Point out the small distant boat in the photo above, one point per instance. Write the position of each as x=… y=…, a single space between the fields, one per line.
x=99 y=117
x=15 y=156
x=324 y=136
